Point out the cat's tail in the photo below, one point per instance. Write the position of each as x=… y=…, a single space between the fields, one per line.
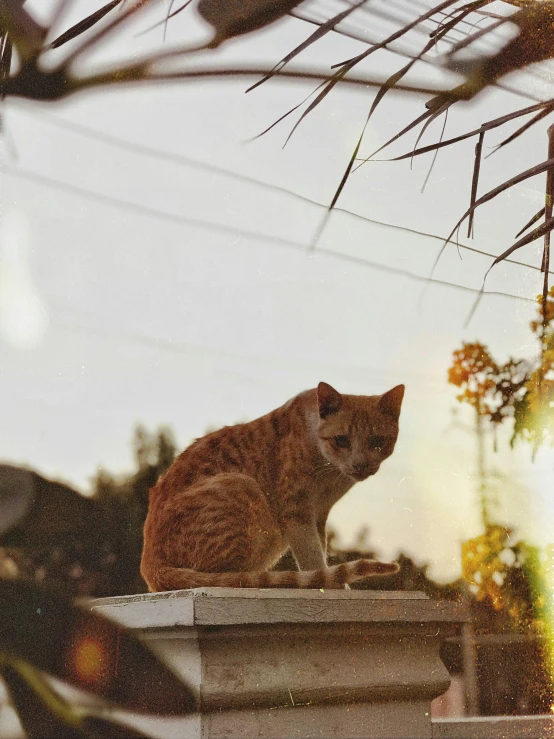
x=177 y=578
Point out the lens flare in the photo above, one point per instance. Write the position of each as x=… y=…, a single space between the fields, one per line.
x=23 y=318
x=543 y=592
x=89 y=659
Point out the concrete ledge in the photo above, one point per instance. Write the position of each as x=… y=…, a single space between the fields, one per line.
x=495 y=727
x=226 y=606
x=279 y=663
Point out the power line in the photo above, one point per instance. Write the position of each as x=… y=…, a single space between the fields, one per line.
x=199 y=223
x=180 y=347
x=180 y=160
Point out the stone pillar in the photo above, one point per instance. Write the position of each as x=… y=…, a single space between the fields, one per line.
x=295 y=663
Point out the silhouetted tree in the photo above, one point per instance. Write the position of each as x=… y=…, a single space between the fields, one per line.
x=88 y=546
x=124 y=503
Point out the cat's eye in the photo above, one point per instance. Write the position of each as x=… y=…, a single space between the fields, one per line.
x=377 y=442
x=342 y=442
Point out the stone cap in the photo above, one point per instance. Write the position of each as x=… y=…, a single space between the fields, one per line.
x=246 y=606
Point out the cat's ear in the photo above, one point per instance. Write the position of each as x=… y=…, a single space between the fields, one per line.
x=329 y=400
x=391 y=401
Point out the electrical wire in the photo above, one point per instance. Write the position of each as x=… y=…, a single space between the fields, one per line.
x=147 y=211
x=180 y=160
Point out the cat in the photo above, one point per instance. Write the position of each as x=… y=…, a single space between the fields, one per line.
x=237 y=499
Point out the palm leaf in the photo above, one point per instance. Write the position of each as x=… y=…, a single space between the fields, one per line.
x=495 y=123
x=327 y=87
x=542 y=230
x=434 y=115
x=512 y=137
x=444 y=27
x=84 y=25
x=396 y=35
x=537 y=169
x=385 y=87
x=405 y=130
x=534 y=43
x=5 y=61
x=237 y=17
x=44 y=714
x=285 y=115
x=23 y=30
x=538 y=215
x=475 y=183
x=435 y=155
x=549 y=196
x=321 y=31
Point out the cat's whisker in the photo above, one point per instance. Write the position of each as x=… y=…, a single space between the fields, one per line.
x=321 y=473
x=324 y=465
x=323 y=468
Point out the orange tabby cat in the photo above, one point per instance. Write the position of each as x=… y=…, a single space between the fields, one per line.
x=236 y=500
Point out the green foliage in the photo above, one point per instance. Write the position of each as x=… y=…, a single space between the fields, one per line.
x=474 y=371
x=500 y=573
x=519 y=389
x=506 y=575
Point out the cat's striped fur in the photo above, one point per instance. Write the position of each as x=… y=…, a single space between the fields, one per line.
x=236 y=500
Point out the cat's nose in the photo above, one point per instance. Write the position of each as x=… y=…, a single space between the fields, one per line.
x=361 y=470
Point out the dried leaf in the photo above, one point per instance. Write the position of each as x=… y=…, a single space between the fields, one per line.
x=281 y=118
x=170 y=14
x=329 y=84
x=395 y=78
x=409 y=127
x=84 y=25
x=537 y=169
x=44 y=713
x=495 y=123
x=434 y=114
x=477 y=300
x=548 y=202
x=231 y=18
x=535 y=119
x=534 y=43
x=543 y=229
x=134 y=7
x=343 y=181
x=538 y=215
x=436 y=153
x=447 y=25
x=471 y=38
x=475 y=183
x=5 y=61
x=397 y=34
x=389 y=84
x=321 y=31
x=531 y=172
x=25 y=33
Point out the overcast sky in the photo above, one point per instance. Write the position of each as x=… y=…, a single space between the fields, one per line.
x=180 y=290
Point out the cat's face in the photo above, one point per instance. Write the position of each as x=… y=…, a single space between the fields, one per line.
x=357 y=432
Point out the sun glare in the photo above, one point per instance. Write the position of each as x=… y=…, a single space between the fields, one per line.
x=89 y=660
